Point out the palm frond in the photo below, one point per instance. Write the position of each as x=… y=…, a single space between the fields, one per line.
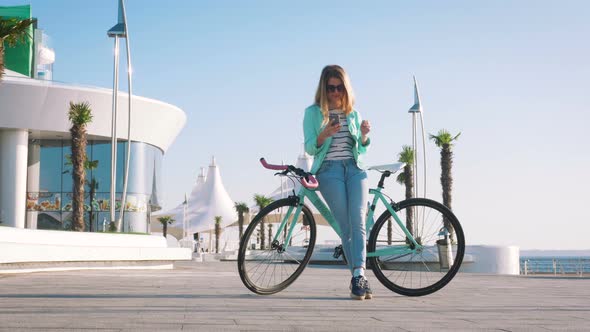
x=80 y=114
x=91 y=164
x=406 y=155
x=241 y=207
x=68 y=160
x=401 y=178
x=166 y=220
x=262 y=201
x=14 y=30
x=88 y=164
x=443 y=137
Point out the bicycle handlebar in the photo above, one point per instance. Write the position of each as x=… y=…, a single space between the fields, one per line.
x=306 y=179
x=310 y=182
x=273 y=167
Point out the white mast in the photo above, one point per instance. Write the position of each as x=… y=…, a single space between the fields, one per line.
x=184 y=219
x=120 y=31
x=416 y=110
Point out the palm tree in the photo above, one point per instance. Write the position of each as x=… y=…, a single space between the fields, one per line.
x=262 y=201
x=89 y=165
x=444 y=140
x=12 y=31
x=217 y=232
x=241 y=208
x=406 y=178
x=165 y=221
x=80 y=115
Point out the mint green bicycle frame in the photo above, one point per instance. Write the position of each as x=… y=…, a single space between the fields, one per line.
x=397 y=250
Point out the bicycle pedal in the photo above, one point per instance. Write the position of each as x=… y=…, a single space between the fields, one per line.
x=337 y=252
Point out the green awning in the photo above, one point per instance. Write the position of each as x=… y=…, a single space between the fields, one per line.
x=20 y=57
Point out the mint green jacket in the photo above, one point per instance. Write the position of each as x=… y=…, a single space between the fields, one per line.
x=312 y=127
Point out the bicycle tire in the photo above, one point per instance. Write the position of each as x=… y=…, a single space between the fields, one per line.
x=423 y=273
x=254 y=264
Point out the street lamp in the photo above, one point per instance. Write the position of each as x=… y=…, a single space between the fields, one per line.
x=120 y=31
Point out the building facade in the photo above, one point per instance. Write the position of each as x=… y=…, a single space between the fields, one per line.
x=35 y=172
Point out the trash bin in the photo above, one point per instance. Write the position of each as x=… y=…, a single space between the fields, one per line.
x=445 y=254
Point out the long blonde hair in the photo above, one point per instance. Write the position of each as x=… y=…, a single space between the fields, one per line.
x=321 y=95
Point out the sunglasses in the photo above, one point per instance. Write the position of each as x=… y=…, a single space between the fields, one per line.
x=333 y=88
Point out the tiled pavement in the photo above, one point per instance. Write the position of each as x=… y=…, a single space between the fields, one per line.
x=211 y=297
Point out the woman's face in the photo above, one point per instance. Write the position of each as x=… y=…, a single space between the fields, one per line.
x=336 y=91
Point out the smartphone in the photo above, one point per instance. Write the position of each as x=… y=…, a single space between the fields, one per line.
x=334 y=119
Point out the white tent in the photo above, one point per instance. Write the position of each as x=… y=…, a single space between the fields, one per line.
x=212 y=200
x=177 y=213
x=207 y=200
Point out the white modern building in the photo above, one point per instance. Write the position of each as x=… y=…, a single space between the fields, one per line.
x=35 y=176
x=36 y=173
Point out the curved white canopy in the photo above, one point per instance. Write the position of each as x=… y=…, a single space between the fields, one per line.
x=41 y=107
x=208 y=199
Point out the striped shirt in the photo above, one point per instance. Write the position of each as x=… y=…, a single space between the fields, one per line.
x=342 y=141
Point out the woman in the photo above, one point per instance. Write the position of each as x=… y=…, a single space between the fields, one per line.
x=336 y=137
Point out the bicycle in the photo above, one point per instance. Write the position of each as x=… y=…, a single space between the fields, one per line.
x=413 y=258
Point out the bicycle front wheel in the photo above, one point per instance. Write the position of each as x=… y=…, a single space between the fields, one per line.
x=266 y=265
x=427 y=269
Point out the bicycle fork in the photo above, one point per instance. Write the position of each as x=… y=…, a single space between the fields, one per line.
x=275 y=242
x=295 y=211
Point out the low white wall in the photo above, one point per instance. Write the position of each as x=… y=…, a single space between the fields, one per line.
x=37 y=236
x=30 y=246
x=34 y=253
x=492 y=259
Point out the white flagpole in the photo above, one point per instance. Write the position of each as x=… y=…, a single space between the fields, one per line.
x=184 y=220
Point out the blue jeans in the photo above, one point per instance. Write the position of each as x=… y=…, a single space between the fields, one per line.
x=345 y=188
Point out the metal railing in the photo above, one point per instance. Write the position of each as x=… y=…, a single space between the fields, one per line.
x=571 y=266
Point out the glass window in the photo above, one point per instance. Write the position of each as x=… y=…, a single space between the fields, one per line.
x=51 y=166
x=52 y=200
x=120 y=166
x=101 y=151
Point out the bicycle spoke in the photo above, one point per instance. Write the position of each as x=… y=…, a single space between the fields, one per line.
x=397 y=257
x=269 y=270
x=433 y=263
x=293 y=258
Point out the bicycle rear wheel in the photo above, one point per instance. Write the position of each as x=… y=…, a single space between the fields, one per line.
x=267 y=268
x=425 y=271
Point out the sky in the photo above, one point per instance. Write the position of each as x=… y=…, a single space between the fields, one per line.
x=511 y=76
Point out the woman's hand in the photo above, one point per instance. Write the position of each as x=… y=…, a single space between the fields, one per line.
x=365 y=129
x=329 y=131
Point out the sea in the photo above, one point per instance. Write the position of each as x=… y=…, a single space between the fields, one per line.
x=556 y=262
